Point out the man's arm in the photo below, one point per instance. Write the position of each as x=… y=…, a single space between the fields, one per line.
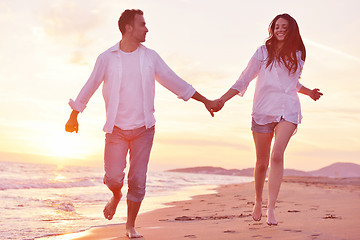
x=168 y=78
x=90 y=86
x=210 y=105
x=72 y=124
x=85 y=94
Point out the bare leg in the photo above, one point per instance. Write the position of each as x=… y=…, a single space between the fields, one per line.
x=262 y=144
x=283 y=133
x=132 y=212
x=110 y=208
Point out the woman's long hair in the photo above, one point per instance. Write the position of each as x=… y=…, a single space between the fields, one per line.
x=292 y=43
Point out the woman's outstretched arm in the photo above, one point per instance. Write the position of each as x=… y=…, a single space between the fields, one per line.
x=224 y=98
x=315 y=94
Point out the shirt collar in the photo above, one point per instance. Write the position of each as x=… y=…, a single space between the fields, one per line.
x=116 y=47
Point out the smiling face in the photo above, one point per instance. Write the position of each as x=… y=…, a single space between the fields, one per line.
x=137 y=31
x=281 y=29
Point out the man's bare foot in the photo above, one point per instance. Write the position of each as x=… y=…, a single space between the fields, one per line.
x=271 y=220
x=257 y=214
x=132 y=233
x=110 y=208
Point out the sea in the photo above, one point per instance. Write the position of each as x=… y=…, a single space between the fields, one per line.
x=43 y=200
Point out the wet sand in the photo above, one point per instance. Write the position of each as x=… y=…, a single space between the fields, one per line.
x=307 y=208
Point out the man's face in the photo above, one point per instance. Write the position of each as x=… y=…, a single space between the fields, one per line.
x=138 y=30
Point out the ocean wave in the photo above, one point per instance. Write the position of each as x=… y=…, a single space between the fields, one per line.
x=66 y=206
x=7 y=184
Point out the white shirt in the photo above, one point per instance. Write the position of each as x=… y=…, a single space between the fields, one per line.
x=130 y=114
x=108 y=70
x=275 y=91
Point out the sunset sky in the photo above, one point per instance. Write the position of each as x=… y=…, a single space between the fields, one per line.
x=48 y=50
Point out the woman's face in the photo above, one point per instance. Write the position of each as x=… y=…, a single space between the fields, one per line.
x=281 y=27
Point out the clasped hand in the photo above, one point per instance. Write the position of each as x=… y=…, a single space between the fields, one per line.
x=214 y=106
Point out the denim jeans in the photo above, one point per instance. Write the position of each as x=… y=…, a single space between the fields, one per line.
x=138 y=143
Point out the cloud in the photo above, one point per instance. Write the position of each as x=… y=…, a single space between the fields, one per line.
x=332 y=50
x=70 y=20
x=78 y=58
x=200 y=142
x=195 y=71
x=72 y=23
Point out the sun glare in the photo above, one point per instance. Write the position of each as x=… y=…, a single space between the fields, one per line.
x=63 y=145
x=60 y=178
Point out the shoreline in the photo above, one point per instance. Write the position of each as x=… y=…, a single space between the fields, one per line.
x=149 y=204
x=307 y=208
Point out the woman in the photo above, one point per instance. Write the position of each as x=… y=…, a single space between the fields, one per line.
x=276 y=108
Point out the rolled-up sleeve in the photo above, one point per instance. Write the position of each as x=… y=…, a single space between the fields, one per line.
x=251 y=71
x=167 y=78
x=90 y=86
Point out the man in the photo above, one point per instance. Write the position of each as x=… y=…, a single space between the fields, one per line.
x=128 y=71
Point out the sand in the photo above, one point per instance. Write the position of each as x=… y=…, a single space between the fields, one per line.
x=307 y=208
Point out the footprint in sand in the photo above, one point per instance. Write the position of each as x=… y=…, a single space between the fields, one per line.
x=163 y=220
x=293 y=211
x=331 y=216
x=184 y=218
x=260 y=236
x=190 y=236
x=291 y=230
x=253 y=228
x=315 y=236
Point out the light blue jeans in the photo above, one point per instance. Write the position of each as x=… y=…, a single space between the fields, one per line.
x=138 y=143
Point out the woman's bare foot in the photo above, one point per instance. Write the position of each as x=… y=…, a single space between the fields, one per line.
x=271 y=220
x=257 y=214
x=110 y=208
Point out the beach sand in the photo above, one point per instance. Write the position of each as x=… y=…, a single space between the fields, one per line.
x=307 y=208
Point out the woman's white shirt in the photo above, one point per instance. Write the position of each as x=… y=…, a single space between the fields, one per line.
x=275 y=90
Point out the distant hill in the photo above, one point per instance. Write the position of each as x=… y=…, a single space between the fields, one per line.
x=216 y=170
x=338 y=170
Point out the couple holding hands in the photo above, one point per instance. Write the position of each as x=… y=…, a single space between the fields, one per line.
x=128 y=71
